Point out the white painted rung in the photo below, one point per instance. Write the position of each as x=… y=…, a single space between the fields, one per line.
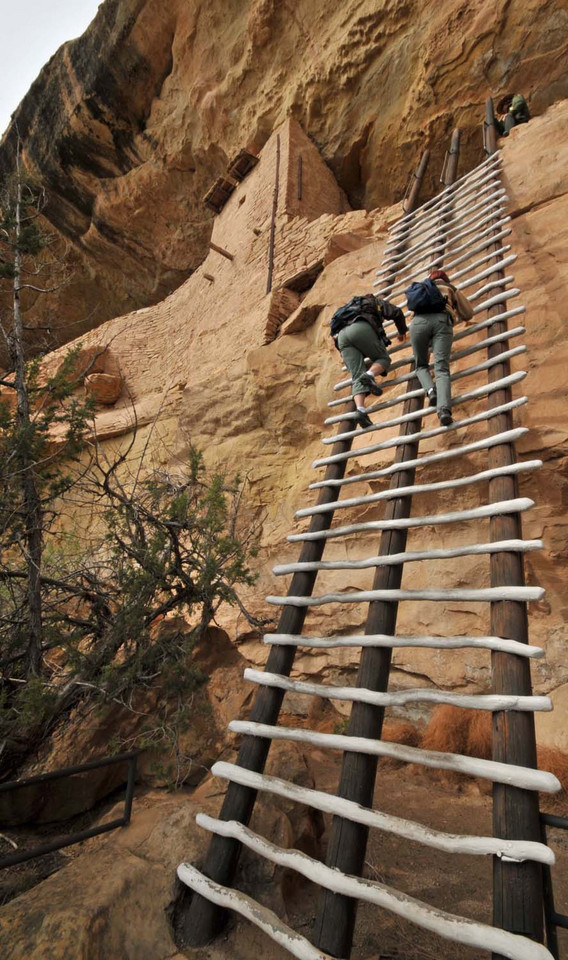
x=488 y=272
x=399 y=441
x=445 y=240
x=499 y=298
x=400 y=698
x=387 y=424
x=488 y=232
x=515 y=505
x=447 y=595
x=490 y=188
x=509 y=436
x=425 y=263
x=444 y=924
x=492 y=286
x=263 y=918
x=493 y=195
x=404 y=281
x=509 y=773
x=451 y=484
x=500 y=644
x=410 y=829
x=448 y=234
x=448 y=925
x=457 y=190
x=488 y=240
x=462 y=398
x=393 y=559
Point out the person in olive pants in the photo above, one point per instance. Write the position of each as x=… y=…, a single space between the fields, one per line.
x=435 y=331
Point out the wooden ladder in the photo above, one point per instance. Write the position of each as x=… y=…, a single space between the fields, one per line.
x=464 y=228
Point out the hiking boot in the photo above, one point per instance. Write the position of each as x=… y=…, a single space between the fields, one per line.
x=445 y=415
x=432 y=397
x=363 y=419
x=371 y=384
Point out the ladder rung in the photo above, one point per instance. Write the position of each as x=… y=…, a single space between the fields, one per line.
x=383 y=640
x=421 y=264
x=396 y=289
x=437 y=209
x=263 y=918
x=447 y=595
x=483 y=391
x=445 y=235
x=393 y=559
x=509 y=436
x=461 y=187
x=524 y=777
x=399 y=698
x=478 y=368
x=456 y=355
x=512 y=468
x=458 y=929
x=409 y=829
x=403 y=439
x=500 y=508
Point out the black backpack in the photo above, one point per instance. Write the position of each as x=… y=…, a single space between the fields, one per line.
x=358 y=308
x=425 y=297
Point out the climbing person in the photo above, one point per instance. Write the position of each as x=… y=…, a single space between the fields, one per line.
x=358 y=332
x=436 y=305
x=513 y=109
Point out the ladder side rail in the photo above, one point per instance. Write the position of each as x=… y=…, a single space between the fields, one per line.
x=517 y=888
x=336 y=913
x=201 y=918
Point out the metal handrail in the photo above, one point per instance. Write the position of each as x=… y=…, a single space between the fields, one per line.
x=130 y=758
x=552 y=919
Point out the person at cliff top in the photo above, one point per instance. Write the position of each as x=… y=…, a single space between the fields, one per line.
x=437 y=305
x=358 y=332
x=513 y=109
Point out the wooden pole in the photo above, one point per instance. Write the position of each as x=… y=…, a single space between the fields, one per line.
x=200 y=920
x=517 y=887
x=273 y=218
x=489 y=131
x=221 y=250
x=450 y=168
x=409 y=203
x=336 y=914
x=335 y=919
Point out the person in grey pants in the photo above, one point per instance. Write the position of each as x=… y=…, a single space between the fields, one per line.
x=435 y=332
x=365 y=337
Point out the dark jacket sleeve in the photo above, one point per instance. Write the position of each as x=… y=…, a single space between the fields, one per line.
x=391 y=312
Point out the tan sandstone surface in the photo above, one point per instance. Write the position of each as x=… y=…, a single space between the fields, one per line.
x=246 y=376
x=128 y=125
x=198 y=369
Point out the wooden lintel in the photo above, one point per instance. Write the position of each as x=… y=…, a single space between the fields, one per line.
x=224 y=253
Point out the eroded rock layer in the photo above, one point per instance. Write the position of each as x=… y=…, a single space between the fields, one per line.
x=245 y=375
x=128 y=125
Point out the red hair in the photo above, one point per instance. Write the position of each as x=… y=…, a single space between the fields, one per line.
x=440 y=275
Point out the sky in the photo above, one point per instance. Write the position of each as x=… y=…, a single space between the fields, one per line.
x=32 y=30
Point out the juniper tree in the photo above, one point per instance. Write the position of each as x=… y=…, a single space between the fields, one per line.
x=79 y=613
x=31 y=265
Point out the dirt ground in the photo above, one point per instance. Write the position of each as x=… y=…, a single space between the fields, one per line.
x=457 y=884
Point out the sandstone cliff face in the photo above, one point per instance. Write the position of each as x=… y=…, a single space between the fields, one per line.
x=208 y=364
x=128 y=125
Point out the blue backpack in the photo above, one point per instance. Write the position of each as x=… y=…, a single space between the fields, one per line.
x=425 y=297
